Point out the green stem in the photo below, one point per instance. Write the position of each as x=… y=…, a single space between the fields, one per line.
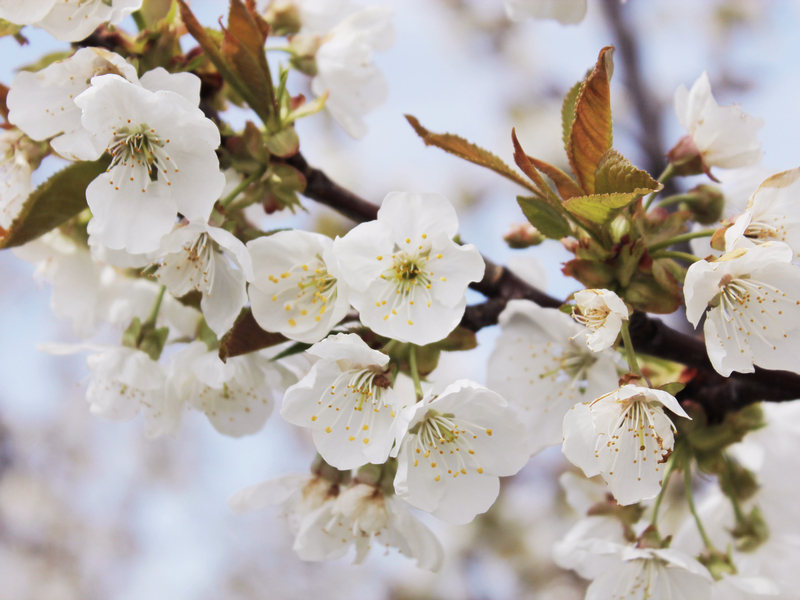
x=412 y=363
x=243 y=186
x=138 y=18
x=688 y=488
x=630 y=353
x=670 y=466
x=151 y=320
x=668 y=174
x=678 y=198
x=678 y=239
x=676 y=255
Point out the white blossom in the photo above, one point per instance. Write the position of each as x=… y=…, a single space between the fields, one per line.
x=626 y=437
x=236 y=395
x=566 y=12
x=197 y=256
x=296 y=288
x=722 y=136
x=453 y=448
x=42 y=104
x=25 y=13
x=542 y=366
x=160 y=133
x=15 y=176
x=345 y=70
x=348 y=402
x=751 y=296
x=602 y=312
x=771 y=215
x=407 y=276
x=362 y=515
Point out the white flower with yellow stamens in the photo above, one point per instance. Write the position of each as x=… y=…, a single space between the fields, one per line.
x=752 y=297
x=452 y=449
x=348 y=402
x=296 y=288
x=602 y=312
x=626 y=437
x=407 y=276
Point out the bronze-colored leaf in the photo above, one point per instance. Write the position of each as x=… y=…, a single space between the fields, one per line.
x=566 y=186
x=590 y=136
x=468 y=151
x=568 y=112
x=247 y=336
x=55 y=201
x=524 y=163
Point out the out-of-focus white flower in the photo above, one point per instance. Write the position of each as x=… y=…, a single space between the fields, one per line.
x=361 y=515
x=751 y=296
x=15 y=175
x=236 y=395
x=160 y=133
x=771 y=215
x=566 y=12
x=625 y=436
x=719 y=136
x=345 y=69
x=407 y=276
x=42 y=104
x=602 y=312
x=192 y=259
x=542 y=367
x=67 y=20
x=347 y=401
x=453 y=448
x=296 y=288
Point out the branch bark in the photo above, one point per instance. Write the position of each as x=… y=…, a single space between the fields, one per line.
x=718 y=395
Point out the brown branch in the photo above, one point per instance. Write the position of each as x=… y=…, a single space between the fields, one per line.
x=715 y=393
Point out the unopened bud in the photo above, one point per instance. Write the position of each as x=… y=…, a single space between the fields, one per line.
x=283 y=17
x=303 y=49
x=706 y=204
x=685 y=158
x=523 y=235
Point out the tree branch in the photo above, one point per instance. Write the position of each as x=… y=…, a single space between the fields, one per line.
x=715 y=393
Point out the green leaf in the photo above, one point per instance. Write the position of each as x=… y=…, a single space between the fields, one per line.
x=544 y=217
x=615 y=174
x=247 y=336
x=46 y=61
x=568 y=112
x=590 y=136
x=468 y=151
x=8 y=28
x=51 y=204
x=599 y=208
x=297 y=348
x=672 y=388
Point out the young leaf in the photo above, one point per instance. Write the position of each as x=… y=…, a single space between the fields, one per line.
x=590 y=136
x=615 y=174
x=599 y=208
x=474 y=154
x=568 y=112
x=566 y=186
x=524 y=163
x=544 y=217
x=55 y=201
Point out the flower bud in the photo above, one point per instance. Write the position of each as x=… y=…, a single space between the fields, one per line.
x=602 y=312
x=523 y=235
x=304 y=49
x=706 y=204
x=283 y=17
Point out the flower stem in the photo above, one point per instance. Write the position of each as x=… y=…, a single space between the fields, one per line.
x=630 y=353
x=412 y=363
x=224 y=202
x=685 y=237
x=688 y=488
x=676 y=255
x=151 y=320
x=668 y=174
x=667 y=474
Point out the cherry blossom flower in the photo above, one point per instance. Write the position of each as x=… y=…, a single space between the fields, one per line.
x=42 y=104
x=719 y=136
x=407 y=276
x=751 y=296
x=192 y=259
x=566 y=12
x=771 y=215
x=15 y=175
x=348 y=402
x=296 y=288
x=602 y=312
x=160 y=133
x=345 y=70
x=236 y=396
x=67 y=20
x=362 y=515
x=625 y=436
x=453 y=448
x=542 y=366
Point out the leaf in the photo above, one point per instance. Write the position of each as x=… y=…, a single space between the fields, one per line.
x=615 y=174
x=524 y=163
x=544 y=217
x=672 y=388
x=568 y=111
x=464 y=149
x=296 y=348
x=566 y=186
x=51 y=204
x=590 y=136
x=46 y=61
x=247 y=336
x=599 y=208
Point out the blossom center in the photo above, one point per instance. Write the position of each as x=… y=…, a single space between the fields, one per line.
x=316 y=289
x=138 y=155
x=445 y=443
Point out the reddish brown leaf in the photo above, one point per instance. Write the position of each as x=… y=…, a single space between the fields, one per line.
x=566 y=186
